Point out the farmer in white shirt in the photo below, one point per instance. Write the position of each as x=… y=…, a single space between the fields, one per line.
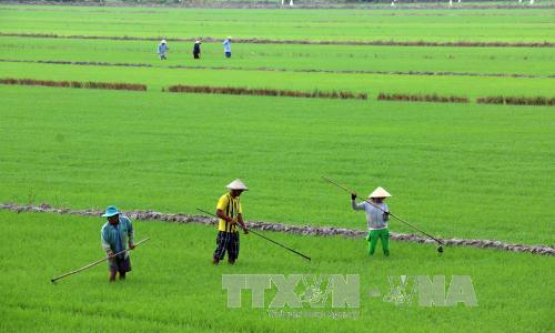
x=162 y=49
x=377 y=215
x=227 y=47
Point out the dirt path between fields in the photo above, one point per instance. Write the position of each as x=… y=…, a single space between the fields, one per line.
x=266 y=69
x=293 y=229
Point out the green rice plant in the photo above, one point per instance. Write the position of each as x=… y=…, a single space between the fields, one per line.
x=439 y=154
x=156 y=78
x=514 y=25
x=397 y=60
x=472 y=170
x=174 y=286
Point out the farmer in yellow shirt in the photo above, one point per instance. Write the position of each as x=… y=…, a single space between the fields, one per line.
x=230 y=214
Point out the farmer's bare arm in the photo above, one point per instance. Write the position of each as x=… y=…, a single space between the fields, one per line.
x=222 y=215
x=131 y=236
x=242 y=223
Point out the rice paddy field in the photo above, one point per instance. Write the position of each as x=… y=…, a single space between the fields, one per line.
x=457 y=170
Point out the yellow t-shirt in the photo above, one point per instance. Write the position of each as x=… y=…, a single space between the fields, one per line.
x=231 y=207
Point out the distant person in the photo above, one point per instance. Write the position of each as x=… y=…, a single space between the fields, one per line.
x=163 y=49
x=196 y=49
x=117 y=236
x=230 y=214
x=377 y=215
x=227 y=47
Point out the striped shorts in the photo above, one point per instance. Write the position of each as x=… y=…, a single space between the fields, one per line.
x=227 y=241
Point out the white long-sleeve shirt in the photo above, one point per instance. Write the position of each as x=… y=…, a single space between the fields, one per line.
x=375 y=218
x=162 y=48
x=227 y=45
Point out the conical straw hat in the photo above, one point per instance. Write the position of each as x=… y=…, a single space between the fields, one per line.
x=237 y=184
x=379 y=192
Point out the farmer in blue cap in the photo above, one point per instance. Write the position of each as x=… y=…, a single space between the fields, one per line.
x=117 y=236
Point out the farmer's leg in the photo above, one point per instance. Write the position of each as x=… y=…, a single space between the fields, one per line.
x=385 y=241
x=113 y=268
x=220 y=248
x=113 y=273
x=124 y=267
x=374 y=234
x=233 y=250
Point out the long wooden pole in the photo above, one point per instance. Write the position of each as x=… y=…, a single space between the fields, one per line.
x=264 y=237
x=331 y=181
x=94 y=263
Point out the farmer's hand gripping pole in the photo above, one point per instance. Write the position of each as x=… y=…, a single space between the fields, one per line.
x=440 y=242
x=94 y=263
x=264 y=237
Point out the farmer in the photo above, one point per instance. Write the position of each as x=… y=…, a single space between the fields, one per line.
x=196 y=50
x=377 y=215
x=117 y=236
x=227 y=47
x=230 y=214
x=162 y=49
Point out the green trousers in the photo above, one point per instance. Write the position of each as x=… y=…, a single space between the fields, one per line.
x=373 y=237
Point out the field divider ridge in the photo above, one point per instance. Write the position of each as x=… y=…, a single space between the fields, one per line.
x=75 y=84
x=291 y=70
x=291 y=41
x=343 y=95
x=306 y=230
x=264 y=92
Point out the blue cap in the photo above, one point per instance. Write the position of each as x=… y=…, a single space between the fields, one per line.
x=111 y=211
